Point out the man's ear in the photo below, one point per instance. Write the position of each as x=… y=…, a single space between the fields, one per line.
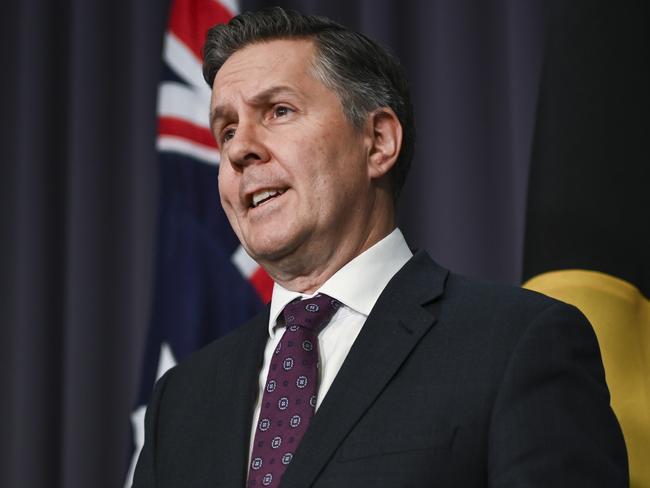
x=386 y=141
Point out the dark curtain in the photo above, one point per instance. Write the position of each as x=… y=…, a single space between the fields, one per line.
x=589 y=189
x=78 y=176
x=78 y=182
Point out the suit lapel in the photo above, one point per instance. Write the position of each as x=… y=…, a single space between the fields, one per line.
x=394 y=327
x=237 y=377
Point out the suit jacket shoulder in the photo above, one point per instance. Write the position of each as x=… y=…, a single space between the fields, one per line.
x=198 y=420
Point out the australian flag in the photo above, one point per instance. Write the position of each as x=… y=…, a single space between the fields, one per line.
x=205 y=283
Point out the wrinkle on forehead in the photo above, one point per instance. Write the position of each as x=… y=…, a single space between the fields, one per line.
x=253 y=70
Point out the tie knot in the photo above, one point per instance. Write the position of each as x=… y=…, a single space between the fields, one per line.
x=312 y=313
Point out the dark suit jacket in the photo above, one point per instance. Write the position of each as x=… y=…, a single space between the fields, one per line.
x=450 y=383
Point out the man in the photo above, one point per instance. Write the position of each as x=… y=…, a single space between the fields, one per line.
x=372 y=366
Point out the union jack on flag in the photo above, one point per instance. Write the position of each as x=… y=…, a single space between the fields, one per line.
x=205 y=283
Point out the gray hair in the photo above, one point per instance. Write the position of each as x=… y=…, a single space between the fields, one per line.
x=364 y=75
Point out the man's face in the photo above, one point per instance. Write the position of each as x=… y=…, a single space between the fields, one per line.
x=293 y=176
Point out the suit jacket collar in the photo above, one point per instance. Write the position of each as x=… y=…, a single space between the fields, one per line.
x=394 y=327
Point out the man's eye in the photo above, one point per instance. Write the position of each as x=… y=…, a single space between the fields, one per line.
x=227 y=134
x=281 y=111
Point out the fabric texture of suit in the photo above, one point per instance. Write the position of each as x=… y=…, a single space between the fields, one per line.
x=451 y=382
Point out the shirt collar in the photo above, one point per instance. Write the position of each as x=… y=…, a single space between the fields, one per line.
x=356 y=285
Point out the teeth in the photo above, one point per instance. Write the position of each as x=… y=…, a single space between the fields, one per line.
x=263 y=195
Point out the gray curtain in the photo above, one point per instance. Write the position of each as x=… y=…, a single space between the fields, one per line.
x=78 y=176
x=78 y=181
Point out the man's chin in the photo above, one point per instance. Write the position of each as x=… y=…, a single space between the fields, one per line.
x=268 y=253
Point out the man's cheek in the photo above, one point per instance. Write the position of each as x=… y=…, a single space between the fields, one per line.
x=229 y=207
x=228 y=192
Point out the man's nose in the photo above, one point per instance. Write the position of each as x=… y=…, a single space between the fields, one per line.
x=246 y=146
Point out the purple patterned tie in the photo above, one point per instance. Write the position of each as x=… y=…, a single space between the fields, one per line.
x=289 y=397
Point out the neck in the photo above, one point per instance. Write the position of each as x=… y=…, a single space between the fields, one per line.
x=305 y=272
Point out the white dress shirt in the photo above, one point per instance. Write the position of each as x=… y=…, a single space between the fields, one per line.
x=357 y=285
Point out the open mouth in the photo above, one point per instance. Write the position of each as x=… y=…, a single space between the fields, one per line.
x=263 y=196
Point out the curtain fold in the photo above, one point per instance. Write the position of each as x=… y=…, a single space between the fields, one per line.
x=79 y=186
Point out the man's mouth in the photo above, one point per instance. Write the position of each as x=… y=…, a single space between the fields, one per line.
x=263 y=196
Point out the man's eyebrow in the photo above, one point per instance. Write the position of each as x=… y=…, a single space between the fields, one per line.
x=220 y=112
x=265 y=95
x=223 y=111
